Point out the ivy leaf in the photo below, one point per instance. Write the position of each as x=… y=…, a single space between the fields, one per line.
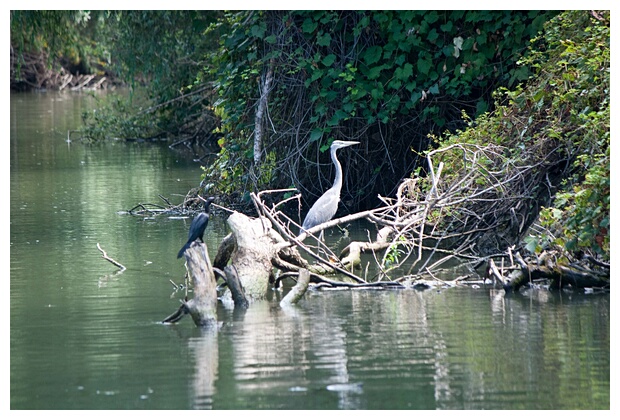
x=372 y=54
x=374 y=72
x=331 y=95
x=316 y=75
x=395 y=83
x=531 y=243
x=431 y=17
x=433 y=35
x=415 y=97
x=434 y=89
x=324 y=40
x=320 y=109
x=358 y=92
x=258 y=31
x=316 y=134
x=308 y=26
x=446 y=27
x=381 y=17
x=338 y=116
x=329 y=60
x=407 y=71
x=424 y=65
x=411 y=86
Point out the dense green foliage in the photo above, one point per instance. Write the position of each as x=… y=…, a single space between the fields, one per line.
x=159 y=49
x=555 y=131
x=577 y=65
x=67 y=37
x=165 y=48
x=382 y=77
x=162 y=50
x=387 y=79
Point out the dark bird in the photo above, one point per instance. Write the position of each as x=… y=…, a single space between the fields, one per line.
x=325 y=207
x=198 y=226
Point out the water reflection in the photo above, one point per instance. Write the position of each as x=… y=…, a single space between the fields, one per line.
x=204 y=349
x=397 y=349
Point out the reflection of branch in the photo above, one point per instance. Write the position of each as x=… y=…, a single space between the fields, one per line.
x=105 y=256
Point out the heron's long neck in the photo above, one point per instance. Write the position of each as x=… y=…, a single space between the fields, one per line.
x=338 y=180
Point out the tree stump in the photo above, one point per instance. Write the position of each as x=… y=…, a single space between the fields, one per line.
x=203 y=306
x=253 y=253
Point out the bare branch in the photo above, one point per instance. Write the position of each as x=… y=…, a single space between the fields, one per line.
x=105 y=256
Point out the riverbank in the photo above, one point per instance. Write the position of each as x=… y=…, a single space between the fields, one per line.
x=33 y=71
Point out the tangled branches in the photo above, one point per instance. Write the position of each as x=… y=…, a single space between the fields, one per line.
x=490 y=199
x=484 y=203
x=478 y=205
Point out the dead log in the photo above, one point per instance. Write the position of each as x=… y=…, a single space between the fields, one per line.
x=296 y=293
x=252 y=254
x=202 y=307
x=557 y=274
x=351 y=255
x=224 y=252
x=235 y=287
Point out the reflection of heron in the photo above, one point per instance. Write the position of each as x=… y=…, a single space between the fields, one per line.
x=325 y=207
x=198 y=226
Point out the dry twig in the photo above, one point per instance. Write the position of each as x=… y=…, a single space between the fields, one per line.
x=105 y=256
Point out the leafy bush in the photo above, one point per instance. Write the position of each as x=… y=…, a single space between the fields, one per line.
x=386 y=78
x=55 y=39
x=555 y=133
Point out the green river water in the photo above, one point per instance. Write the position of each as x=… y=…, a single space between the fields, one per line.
x=83 y=336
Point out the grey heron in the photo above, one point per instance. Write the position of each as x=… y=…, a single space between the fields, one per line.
x=325 y=207
x=198 y=226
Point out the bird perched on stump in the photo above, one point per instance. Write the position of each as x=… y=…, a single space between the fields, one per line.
x=198 y=226
x=325 y=207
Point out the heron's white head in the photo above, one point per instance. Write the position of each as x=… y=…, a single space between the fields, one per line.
x=338 y=144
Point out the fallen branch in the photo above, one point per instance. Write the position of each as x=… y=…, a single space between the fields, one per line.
x=296 y=293
x=235 y=287
x=105 y=257
x=298 y=239
x=546 y=269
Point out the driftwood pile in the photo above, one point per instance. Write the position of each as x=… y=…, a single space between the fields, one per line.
x=550 y=269
x=33 y=71
x=260 y=252
x=420 y=231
